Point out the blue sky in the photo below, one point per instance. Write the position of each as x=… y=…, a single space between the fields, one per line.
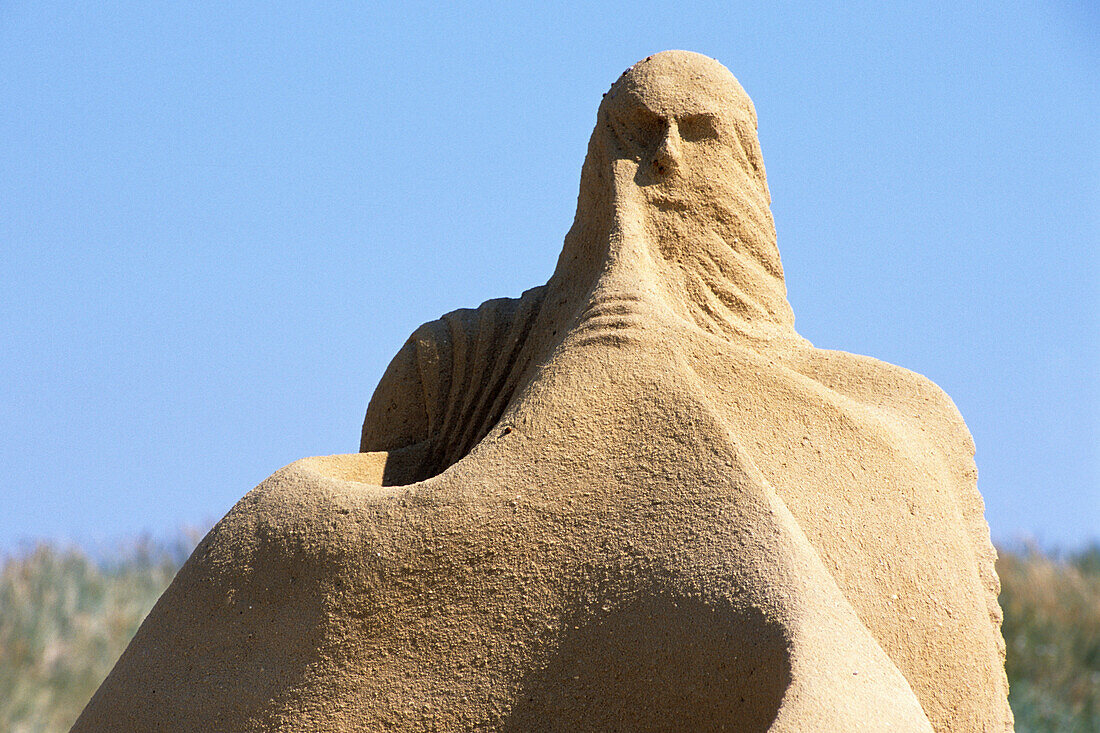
x=219 y=221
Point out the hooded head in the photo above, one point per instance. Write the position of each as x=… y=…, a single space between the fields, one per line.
x=673 y=205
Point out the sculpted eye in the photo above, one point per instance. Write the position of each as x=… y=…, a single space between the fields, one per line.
x=694 y=128
x=644 y=127
x=637 y=127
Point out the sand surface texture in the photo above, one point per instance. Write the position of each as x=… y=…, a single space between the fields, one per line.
x=632 y=499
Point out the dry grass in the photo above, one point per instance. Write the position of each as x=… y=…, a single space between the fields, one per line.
x=65 y=618
x=1052 y=631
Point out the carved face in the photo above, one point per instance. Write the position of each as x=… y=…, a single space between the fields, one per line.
x=686 y=121
x=674 y=203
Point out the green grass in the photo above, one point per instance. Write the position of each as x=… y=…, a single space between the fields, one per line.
x=65 y=618
x=1052 y=633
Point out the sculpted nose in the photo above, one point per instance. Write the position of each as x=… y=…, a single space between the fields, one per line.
x=630 y=267
x=667 y=157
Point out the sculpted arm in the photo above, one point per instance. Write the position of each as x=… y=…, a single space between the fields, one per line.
x=396 y=416
x=396 y=424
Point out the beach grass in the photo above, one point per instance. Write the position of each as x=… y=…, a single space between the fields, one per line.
x=1052 y=633
x=64 y=620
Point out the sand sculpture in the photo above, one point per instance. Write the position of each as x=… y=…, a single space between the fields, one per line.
x=632 y=499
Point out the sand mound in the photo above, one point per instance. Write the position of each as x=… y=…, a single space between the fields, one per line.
x=632 y=499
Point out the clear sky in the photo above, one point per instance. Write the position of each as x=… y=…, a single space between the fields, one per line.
x=219 y=221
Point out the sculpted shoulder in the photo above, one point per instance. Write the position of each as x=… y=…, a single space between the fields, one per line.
x=905 y=395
